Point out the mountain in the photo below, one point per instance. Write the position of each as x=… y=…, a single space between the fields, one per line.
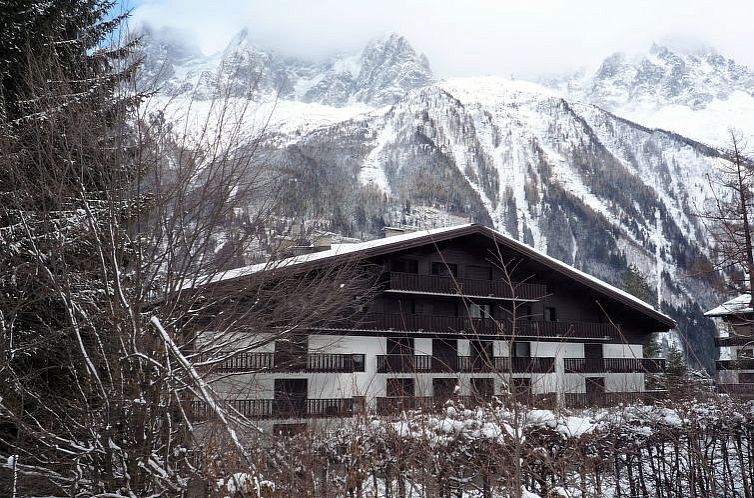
x=693 y=91
x=371 y=140
x=380 y=75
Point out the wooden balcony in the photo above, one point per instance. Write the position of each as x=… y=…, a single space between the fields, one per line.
x=443 y=285
x=397 y=404
x=398 y=363
x=742 y=390
x=614 y=365
x=735 y=364
x=725 y=342
x=276 y=362
x=504 y=364
x=291 y=407
x=547 y=401
x=601 y=400
x=439 y=325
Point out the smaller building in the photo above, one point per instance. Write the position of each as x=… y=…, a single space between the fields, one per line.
x=735 y=344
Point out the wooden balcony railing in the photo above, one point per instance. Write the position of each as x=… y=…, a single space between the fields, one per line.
x=614 y=365
x=435 y=324
x=504 y=364
x=724 y=342
x=584 y=400
x=735 y=364
x=275 y=362
x=291 y=407
x=544 y=401
x=436 y=284
x=395 y=404
x=742 y=389
x=404 y=363
x=397 y=363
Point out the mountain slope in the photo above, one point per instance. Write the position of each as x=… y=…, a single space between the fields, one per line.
x=695 y=92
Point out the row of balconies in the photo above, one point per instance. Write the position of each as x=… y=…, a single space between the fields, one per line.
x=302 y=407
x=436 y=284
x=399 y=363
x=436 y=324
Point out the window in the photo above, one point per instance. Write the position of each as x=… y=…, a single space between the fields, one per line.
x=745 y=353
x=400 y=387
x=443 y=389
x=444 y=269
x=400 y=345
x=521 y=386
x=445 y=308
x=480 y=311
x=405 y=265
x=551 y=314
x=483 y=387
x=521 y=349
x=594 y=351
x=478 y=272
x=746 y=378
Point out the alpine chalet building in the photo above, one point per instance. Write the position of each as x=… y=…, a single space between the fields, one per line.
x=463 y=313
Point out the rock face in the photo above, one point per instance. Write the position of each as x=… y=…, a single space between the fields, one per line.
x=380 y=75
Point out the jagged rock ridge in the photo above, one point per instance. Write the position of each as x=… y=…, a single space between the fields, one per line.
x=380 y=75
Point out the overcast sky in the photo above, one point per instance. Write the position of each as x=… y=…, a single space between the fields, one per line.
x=471 y=37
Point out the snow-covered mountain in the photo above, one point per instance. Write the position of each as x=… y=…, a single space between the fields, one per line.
x=380 y=75
x=372 y=140
x=693 y=91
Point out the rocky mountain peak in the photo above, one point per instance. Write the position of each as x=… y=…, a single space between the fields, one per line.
x=381 y=74
x=390 y=68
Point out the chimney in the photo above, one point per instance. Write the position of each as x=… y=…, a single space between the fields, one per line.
x=391 y=231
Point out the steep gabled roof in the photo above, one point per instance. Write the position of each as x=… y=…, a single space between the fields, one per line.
x=418 y=238
x=739 y=305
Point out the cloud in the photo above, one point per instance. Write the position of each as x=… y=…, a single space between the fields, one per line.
x=503 y=37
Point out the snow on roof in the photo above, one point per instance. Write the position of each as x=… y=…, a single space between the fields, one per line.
x=335 y=250
x=736 y=306
x=445 y=232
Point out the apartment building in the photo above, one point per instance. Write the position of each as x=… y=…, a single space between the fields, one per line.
x=462 y=312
